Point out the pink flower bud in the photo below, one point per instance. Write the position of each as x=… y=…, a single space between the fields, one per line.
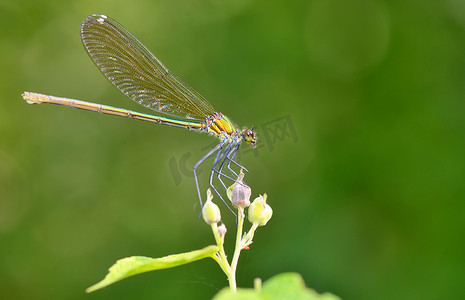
x=239 y=193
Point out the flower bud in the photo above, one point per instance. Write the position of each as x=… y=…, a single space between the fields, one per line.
x=259 y=211
x=239 y=193
x=210 y=211
x=222 y=230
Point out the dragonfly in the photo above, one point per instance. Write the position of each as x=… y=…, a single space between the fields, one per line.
x=141 y=76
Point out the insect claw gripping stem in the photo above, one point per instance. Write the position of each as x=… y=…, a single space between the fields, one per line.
x=230 y=152
x=222 y=155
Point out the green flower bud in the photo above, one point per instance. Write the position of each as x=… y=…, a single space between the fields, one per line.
x=210 y=211
x=239 y=193
x=259 y=211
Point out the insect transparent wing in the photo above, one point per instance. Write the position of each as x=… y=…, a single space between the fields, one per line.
x=136 y=72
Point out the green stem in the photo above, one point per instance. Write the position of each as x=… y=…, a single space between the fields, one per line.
x=237 y=250
x=221 y=260
x=257 y=284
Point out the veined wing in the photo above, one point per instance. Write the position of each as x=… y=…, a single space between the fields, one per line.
x=136 y=72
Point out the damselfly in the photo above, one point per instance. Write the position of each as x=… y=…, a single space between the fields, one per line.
x=141 y=76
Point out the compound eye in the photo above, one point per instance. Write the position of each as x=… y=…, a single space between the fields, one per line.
x=249 y=136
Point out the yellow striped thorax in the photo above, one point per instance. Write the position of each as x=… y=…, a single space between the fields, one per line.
x=220 y=126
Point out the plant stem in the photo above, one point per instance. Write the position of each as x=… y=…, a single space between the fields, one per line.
x=237 y=250
x=221 y=260
x=257 y=284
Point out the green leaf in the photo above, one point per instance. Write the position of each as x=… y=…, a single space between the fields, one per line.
x=281 y=286
x=292 y=286
x=240 y=294
x=133 y=265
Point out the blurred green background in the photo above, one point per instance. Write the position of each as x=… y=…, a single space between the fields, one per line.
x=359 y=106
